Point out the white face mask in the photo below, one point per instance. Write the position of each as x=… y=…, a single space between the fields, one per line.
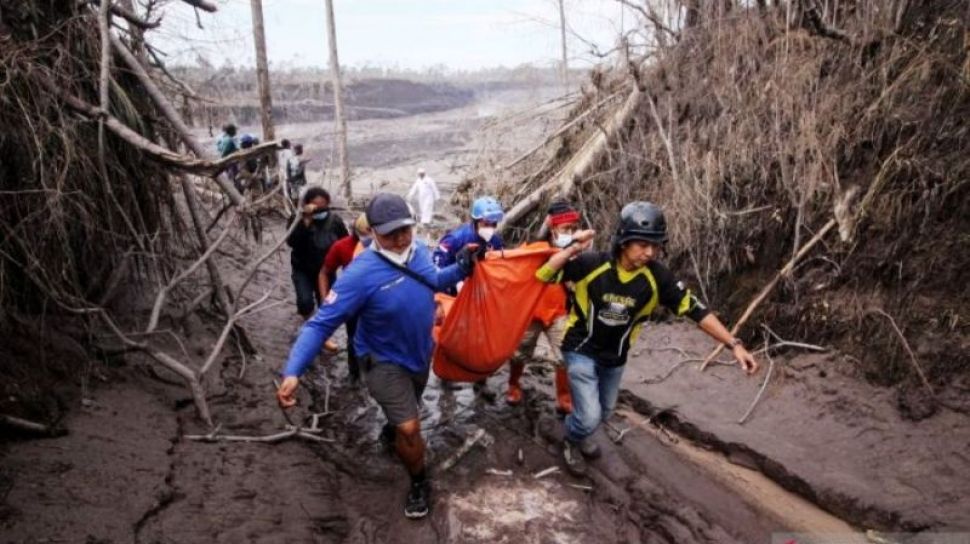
x=563 y=240
x=486 y=233
x=400 y=259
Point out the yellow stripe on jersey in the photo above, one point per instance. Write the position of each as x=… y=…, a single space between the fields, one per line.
x=581 y=295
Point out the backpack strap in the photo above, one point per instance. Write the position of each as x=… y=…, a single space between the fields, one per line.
x=408 y=272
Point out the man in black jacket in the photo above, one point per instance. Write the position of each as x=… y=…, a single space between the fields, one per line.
x=318 y=229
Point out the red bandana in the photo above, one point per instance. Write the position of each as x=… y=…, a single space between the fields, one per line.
x=571 y=216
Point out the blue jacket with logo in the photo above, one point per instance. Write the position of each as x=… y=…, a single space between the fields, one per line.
x=451 y=244
x=395 y=312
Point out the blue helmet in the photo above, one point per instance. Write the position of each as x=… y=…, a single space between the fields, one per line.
x=248 y=140
x=488 y=209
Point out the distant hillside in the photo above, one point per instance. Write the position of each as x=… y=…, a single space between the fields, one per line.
x=305 y=100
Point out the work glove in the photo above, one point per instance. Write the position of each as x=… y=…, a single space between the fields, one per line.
x=468 y=256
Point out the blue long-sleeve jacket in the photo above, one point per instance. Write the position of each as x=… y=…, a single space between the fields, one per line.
x=451 y=243
x=395 y=312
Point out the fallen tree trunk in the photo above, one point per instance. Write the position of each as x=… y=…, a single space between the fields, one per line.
x=560 y=131
x=580 y=164
x=159 y=153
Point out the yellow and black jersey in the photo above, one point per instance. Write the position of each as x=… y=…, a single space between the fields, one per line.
x=609 y=304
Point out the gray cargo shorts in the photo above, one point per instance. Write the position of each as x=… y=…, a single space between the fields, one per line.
x=397 y=390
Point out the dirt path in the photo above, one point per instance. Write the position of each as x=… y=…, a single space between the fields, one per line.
x=126 y=472
x=352 y=490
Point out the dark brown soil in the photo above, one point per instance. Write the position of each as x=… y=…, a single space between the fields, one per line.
x=825 y=435
x=126 y=472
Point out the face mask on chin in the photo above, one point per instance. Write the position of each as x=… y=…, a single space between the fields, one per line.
x=400 y=259
x=320 y=216
x=486 y=233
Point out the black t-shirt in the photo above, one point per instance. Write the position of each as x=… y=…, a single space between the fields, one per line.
x=310 y=244
x=609 y=304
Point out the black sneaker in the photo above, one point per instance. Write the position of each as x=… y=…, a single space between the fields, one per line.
x=573 y=458
x=589 y=449
x=418 y=503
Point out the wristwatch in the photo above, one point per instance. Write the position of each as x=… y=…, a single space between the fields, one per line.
x=735 y=342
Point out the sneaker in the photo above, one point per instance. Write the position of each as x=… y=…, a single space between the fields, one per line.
x=589 y=449
x=418 y=502
x=573 y=458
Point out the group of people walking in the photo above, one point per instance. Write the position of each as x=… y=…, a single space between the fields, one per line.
x=253 y=174
x=386 y=296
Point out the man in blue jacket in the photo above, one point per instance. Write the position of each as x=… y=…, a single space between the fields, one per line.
x=486 y=215
x=390 y=288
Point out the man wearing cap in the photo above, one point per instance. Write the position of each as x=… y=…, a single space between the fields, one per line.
x=390 y=288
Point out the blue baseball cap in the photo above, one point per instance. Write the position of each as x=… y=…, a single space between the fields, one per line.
x=388 y=212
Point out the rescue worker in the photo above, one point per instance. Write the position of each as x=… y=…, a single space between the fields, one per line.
x=486 y=213
x=226 y=144
x=424 y=193
x=250 y=175
x=310 y=241
x=296 y=171
x=481 y=232
x=341 y=253
x=549 y=318
x=614 y=293
x=390 y=287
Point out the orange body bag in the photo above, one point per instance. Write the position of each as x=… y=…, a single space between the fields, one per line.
x=484 y=324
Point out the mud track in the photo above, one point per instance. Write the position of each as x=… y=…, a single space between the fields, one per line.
x=352 y=490
x=126 y=473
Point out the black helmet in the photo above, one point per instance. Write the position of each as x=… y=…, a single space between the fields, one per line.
x=640 y=221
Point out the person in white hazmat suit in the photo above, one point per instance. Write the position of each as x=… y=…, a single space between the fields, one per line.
x=423 y=194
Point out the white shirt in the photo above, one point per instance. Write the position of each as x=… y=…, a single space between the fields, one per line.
x=424 y=193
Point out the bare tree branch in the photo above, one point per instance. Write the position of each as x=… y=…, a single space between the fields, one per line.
x=202 y=4
x=173 y=117
x=164 y=290
x=766 y=290
x=157 y=152
x=132 y=18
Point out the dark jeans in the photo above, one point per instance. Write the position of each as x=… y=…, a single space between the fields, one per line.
x=307 y=296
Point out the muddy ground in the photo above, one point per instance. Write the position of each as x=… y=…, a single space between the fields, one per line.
x=818 y=429
x=126 y=472
x=684 y=471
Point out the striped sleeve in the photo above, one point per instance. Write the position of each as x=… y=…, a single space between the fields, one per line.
x=676 y=296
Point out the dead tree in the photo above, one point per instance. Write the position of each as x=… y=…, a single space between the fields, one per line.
x=693 y=9
x=262 y=77
x=564 y=68
x=338 y=103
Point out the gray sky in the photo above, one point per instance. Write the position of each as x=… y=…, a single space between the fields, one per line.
x=413 y=34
